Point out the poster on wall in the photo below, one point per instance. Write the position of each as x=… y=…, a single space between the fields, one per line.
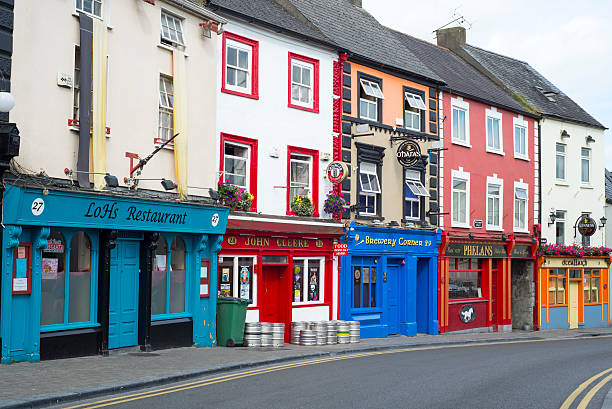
x=313 y=284
x=245 y=279
x=49 y=268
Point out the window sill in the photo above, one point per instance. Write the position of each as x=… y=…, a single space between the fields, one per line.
x=461 y=226
x=561 y=183
x=304 y=108
x=239 y=93
x=494 y=228
x=75 y=13
x=167 y=317
x=63 y=327
x=461 y=143
x=310 y=304
x=168 y=47
x=369 y=217
x=76 y=128
x=170 y=321
x=496 y=152
x=159 y=142
x=587 y=186
x=520 y=231
x=525 y=158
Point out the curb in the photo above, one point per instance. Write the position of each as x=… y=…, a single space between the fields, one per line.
x=71 y=396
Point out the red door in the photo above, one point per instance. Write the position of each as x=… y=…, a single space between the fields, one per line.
x=493 y=294
x=276 y=300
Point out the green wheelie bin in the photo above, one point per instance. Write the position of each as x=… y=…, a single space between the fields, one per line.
x=231 y=314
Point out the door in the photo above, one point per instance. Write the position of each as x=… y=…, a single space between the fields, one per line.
x=276 y=296
x=123 y=298
x=493 y=294
x=573 y=304
x=393 y=295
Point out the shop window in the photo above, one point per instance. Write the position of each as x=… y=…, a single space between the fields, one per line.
x=364 y=277
x=308 y=280
x=158 y=281
x=575 y=274
x=66 y=299
x=591 y=286
x=168 y=289
x=177 y=275
x=557 y=284
x=465 y=278
x=237 y=277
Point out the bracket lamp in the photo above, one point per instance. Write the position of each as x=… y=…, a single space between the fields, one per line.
x=166 y=184
x=603 y=221
x=111 y=181
x=564 y=134
x=551 y=218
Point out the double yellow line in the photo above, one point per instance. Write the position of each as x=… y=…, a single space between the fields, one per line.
x=244 y=374
x=584 y=403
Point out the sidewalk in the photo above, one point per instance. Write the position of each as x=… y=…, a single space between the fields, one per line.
x=46 y=382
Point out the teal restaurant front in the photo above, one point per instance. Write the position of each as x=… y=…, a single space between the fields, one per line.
x=86 y=272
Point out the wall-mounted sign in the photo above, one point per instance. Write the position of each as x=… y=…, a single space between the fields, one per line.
x=522 y=252
x=575 y=262
x=587 y=226
x=390 y=241
x=467 y=313
x=341 y=249
x=478 y=224
x=475 y=250
x=279 y=243
x=204 y=277
x=408 y=153
x=337 y=172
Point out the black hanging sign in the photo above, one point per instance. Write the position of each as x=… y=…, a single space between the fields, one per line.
x=587 y=226
x=408 y=153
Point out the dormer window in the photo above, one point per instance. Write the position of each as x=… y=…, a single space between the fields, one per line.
x=549 y=94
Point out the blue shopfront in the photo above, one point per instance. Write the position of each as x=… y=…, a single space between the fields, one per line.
x=389 y=280
x=85 y=272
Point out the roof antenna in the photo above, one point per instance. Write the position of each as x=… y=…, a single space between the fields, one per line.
x=456 y=18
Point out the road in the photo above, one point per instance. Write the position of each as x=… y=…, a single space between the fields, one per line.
x=521 y=374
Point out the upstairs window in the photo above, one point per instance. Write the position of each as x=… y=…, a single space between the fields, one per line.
x=460 y=192
x=93 y=7
x=495 y=140
x=304 y=82
x=237 y=164
x=300 y=178
x=520 y=209
x=370 y=189
x=370 y=96
x=459 y=134
x=166 y=108
x=560 y=162
x=240 y=59
x=560 y=226
x=520 y=141
x=414 y=191
x=585 y=165
x=493 y=206
x=171 y=29
x=413 y=107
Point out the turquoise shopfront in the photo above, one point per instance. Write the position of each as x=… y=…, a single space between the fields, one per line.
x=86 y=272
x=388 y=282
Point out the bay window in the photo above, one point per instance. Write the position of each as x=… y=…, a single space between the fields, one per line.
x=308 y=280
x=464 y=278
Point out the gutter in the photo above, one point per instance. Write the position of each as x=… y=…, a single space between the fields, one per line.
x=196 y=9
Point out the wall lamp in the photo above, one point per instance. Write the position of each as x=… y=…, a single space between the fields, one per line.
x=111 y=181
x=166 y=184
x=564 y=134
x=471 y=236
x=551 y=218
x=590 y=139
x=504 y=237
x=603 y=221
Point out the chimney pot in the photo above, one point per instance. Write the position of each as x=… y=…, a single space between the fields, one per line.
x=452 y=38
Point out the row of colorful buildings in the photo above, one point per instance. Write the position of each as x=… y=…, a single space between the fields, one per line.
x=296 y=153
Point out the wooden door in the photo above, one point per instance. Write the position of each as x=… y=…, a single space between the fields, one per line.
x=574 y=287
x=276 y=296
x=393 y=294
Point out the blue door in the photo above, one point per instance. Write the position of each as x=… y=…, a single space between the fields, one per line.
x=123 y=303
x=393 y=301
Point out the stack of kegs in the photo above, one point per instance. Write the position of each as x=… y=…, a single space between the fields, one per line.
x=308 y=337
x=332 y=336
x=320 y=328
x=278 y=334
x=296 y=327
x=354 y=331
x=252 y=334
x=266 y=334
x=343 y=332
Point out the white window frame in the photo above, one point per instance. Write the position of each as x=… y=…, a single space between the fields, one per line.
x=459 y=104
x=559 y=220
x=249 y=71
x=292 y=184
x=415 y=102
x=175 y=19
x=587 y=158
x=416 y=187
x=524 y=186
x=82 y=10
x=321 y=281
x=236 y=272
x=492 y=113
x=463 y=176
x=165 y=107
x=519 y=122
x=495 y=181
x=564 y=156
x=369 y=192
x=247 y=168
x=371 y=89
x=311 y=67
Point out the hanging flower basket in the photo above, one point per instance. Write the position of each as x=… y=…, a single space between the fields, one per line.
x=302 y=206
x=572 y=251
x=236 y=198
x=334 y=204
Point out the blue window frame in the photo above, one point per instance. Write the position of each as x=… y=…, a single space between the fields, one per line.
x=364 y=278
x=170 y=289
x=69 y=291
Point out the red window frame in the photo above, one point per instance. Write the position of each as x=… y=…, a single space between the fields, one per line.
x=315 y=176
x=254 y=64
x=252 y=143
x=455 y=269
x=315 y=83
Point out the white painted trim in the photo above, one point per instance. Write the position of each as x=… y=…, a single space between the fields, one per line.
x=494 y=180
x=493 y=113
x=520 y=122
x=520 y=185
x=288 y=221
x=461 y=104
x=243 y=47
x=460 y=174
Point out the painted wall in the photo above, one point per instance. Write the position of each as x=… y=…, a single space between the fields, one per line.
x=136 y=60
x=271 y=121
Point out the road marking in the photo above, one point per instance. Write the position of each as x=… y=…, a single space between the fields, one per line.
x=587 y=398
x=581 y=388
x=239 y=375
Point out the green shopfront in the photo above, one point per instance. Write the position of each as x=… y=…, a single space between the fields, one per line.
x=86 y=272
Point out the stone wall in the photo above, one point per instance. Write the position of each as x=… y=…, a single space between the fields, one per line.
x=523 y=293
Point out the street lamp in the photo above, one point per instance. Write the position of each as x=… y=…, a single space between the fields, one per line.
x=7 y=101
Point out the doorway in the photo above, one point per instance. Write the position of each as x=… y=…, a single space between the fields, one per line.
x=276 y=296
x=393 y=299
x=422 y=296
x=574 y=287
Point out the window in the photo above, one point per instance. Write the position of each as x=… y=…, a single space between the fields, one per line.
x=494 y=131
x=557 y=283
x=560 y=162
x=413 y=192
x=240 y=71
x=464 y=278
x=560 y=226
x=237 y=164
x=303 y=82
x=460 y=198
x=93 y=7
x=413 y=107
x=369 y=189
x=370 y=95
x=301 y=176
x=460 y=129
x=68 y=281
x=494 y=201
x=166 y=109
x=76 y=90
x=171 y=29
x=308 y=280
x=168 y=289
x=237 y=277
x=459 y=125
x=520 y=143
x=585 y=165
x=520 y=208
x=364 y=277
x=591 y=286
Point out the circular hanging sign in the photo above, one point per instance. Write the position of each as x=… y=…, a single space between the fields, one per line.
x=337 y=172
x=408 y=153
x=587 y=226
x=467 y=313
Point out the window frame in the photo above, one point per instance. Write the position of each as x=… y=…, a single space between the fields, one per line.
x=520 y=186
x=588 y=159
x=463 y=176
x=246 y=160
x=459 y=104
x=314 y=63
x=252 y=90
x=480 y=270
x=235 y=275
x=520 y=123
x=314 y=175
x=419 y=197
x=373 y=80
x=560 y=219
x=81 y=10
x=372 y=194
x=494 y=114
x=253 y=158
x=369 y=262
x=558 y=275
x=562 y=155
x=306 y=259
x=495 y=181
x=164 y=109
x=590 y=278
x=176 y=18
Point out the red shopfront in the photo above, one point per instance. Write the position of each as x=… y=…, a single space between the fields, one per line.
x=287 y=270
x=475 y=283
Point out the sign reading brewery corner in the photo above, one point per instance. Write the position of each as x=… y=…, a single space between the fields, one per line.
x=587 y=226
x=408 y=153
x=271 y=243
x=80 y=210
x=337 y=172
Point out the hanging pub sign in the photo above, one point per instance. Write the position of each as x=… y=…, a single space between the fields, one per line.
x=408 y=153
x=587 y=226
x=337 y=172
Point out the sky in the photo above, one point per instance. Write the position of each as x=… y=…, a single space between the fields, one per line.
x=568 y=42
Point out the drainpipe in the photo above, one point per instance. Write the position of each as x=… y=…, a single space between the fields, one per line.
x=537 y=309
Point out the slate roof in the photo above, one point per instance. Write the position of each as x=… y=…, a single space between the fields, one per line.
x=271 y=13
x=608 y=186
x=355 y=30
x=523 y=79
x=459 y=76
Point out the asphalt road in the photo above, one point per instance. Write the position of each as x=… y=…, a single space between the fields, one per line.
x=507 y=375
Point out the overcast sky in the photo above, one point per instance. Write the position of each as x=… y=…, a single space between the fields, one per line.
x=569 y=42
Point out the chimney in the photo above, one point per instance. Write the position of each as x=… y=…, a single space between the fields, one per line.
x=452 y=38
x=355 y=3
